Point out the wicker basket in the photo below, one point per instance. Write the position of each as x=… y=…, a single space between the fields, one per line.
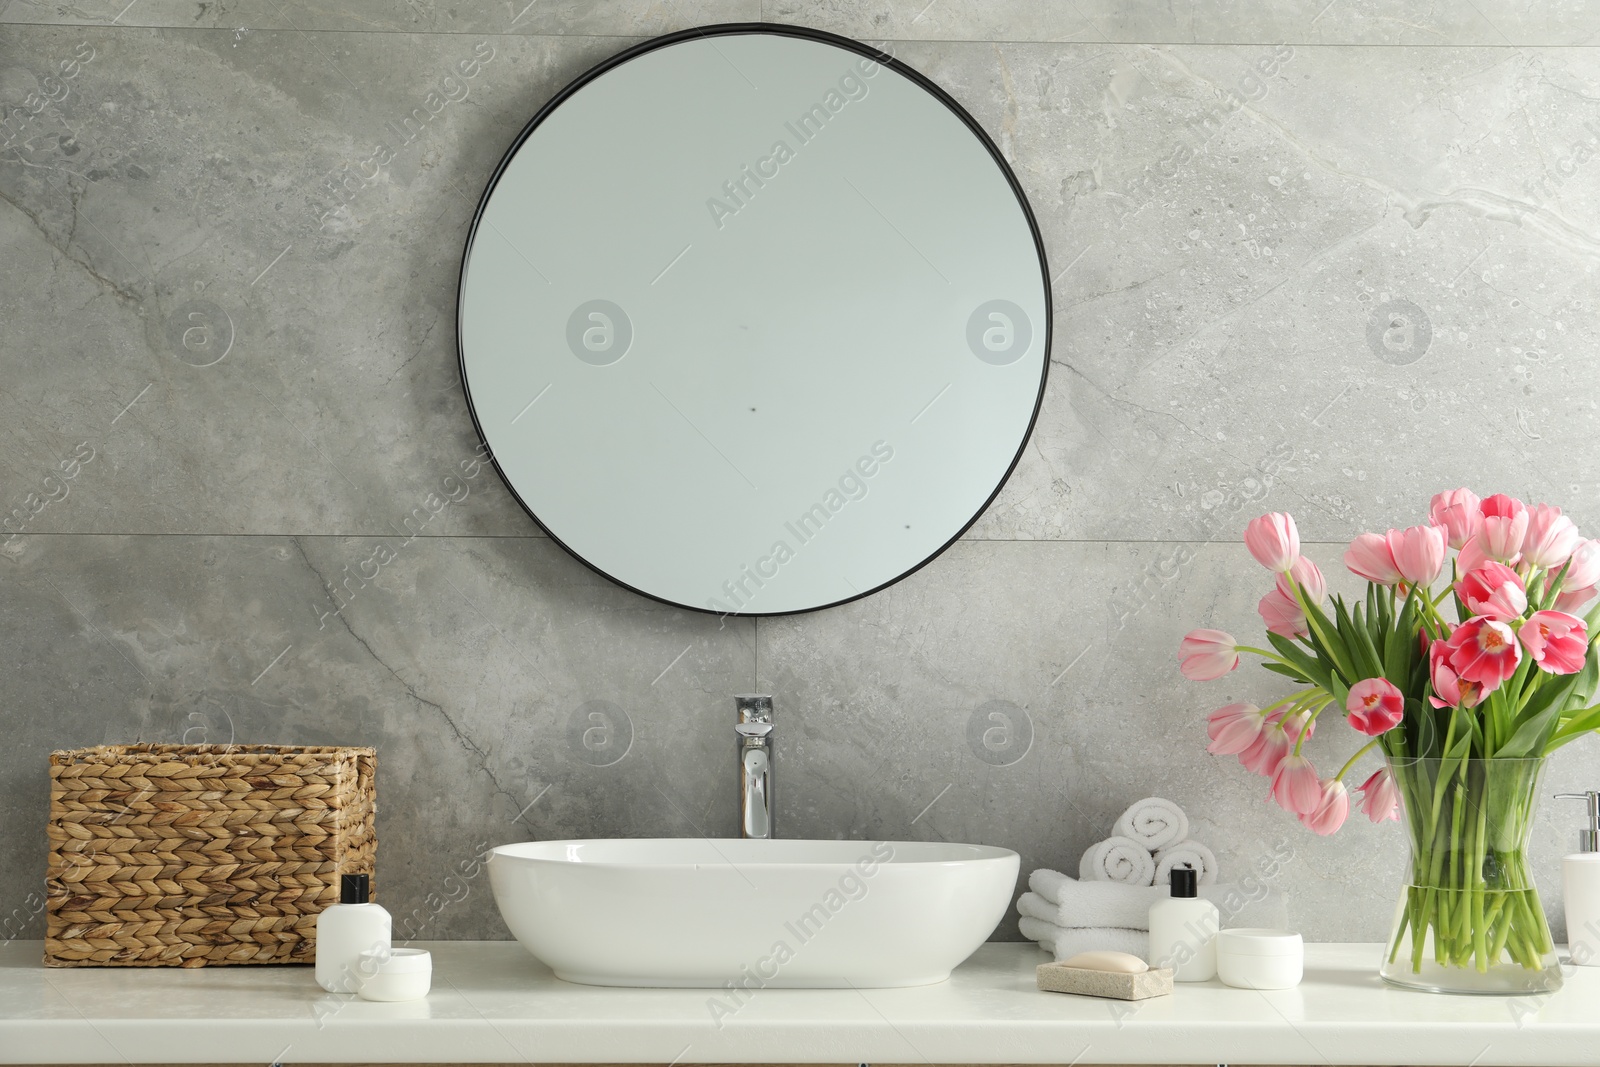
x=196 y=855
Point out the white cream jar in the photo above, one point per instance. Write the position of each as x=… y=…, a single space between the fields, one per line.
x=1260 y=959
x=396 y=974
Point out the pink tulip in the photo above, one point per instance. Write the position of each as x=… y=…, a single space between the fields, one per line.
x=1308 y=577
x=1234 y=728
x=1295 y=785
x=1558 y=642
x=1583 y=570
x=1274 y=541
x=1501 y=506
x=1418 y=553
x=1449 y=691
x=1493 y=590
x=1207 y=654
x=1380 y=800
x=1268 y=751
x=1505 y=526
x=1282 y=614
x=1459 y=511
x=1294 y=725
x=1375 y=706
x=1581 y=581
x=1574 y=601
x=1333 y=807
x=1550 y=538
x=1369 y=557
x=1484 y=651
x=1473 y=555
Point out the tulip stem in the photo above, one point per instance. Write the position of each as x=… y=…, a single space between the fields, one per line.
x=1264 y=654
x=1351 y=762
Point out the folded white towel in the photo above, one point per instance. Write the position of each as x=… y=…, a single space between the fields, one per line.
x=1190 y=853
x=1070 y=904
x=1118 y=859
x=1090 y=904
x=1154 y=823
x=1064 y=944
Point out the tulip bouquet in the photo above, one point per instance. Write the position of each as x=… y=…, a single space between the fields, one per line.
x=1464 y=710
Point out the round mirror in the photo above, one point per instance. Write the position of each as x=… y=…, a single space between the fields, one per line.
x=754 y=320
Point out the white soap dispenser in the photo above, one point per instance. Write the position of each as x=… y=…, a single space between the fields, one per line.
x=347 y=929
x=1183 y=930
x=1580 y=886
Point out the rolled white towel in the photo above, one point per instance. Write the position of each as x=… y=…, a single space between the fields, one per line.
x=1154 y=823
x=1070 y=904
x=1118 y=859
x=1191 y=853
x=1064 y=944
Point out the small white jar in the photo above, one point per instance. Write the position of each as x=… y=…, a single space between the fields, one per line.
x=396 y=974
x=1260 y=959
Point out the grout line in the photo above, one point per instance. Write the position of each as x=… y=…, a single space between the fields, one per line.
x=1587 y=43
x=1338 y=542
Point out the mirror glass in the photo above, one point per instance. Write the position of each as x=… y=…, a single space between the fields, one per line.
x=754 y=320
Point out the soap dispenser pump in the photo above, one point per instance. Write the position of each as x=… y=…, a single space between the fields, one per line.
x=1580 y=886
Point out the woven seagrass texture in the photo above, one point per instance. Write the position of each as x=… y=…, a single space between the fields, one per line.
x=198 y=855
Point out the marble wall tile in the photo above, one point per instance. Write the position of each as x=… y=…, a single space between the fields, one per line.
x=608 y=18
x=1245 y=297
x=1339 y=22
x=261 y=320
x=511 y=693
x=1249 y=297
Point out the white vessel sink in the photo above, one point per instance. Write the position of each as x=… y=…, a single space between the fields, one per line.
x=782 y=914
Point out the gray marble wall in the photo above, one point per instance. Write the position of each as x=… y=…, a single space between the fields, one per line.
x=240 y=340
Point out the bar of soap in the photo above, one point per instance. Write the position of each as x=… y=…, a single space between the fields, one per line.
x=1102 y=960
x=1116 y=985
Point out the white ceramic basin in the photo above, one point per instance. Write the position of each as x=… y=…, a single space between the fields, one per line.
x=794 y=914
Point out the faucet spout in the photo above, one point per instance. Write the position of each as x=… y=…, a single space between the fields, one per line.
x=755 y=765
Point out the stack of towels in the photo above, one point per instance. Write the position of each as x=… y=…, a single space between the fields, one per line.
x=1148 y=840
x=1108 y=905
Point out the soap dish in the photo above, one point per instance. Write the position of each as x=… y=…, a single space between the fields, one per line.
x=1117 y=985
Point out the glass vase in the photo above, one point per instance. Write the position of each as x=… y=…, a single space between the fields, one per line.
x=1470 y=920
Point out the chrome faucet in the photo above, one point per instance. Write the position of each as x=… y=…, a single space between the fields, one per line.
x=755 y=765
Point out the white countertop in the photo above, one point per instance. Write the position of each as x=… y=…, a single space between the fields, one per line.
x=493 y=1003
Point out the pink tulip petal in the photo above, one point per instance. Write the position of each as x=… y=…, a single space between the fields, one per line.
x=1273 y=540
x=1333 y=807
x=1380 y=799
x=1558 y=642
x=1459 y=512
x=1370 y=557
x=1375 y=706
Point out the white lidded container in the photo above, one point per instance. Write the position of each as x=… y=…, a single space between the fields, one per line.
x=1260 y=959
x=396 y=974
x=347 y=929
